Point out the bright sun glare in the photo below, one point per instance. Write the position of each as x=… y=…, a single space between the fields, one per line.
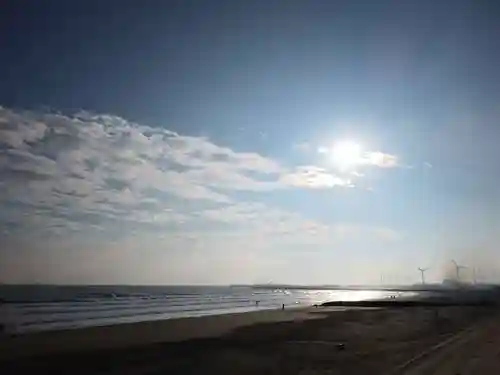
x=346 y=154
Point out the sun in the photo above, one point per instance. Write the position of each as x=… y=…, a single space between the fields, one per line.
x=346 y=154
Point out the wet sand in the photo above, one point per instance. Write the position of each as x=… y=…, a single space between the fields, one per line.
x=320 y=340
x=140 y=334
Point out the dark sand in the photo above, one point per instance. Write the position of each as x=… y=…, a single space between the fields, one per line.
x=320 y=340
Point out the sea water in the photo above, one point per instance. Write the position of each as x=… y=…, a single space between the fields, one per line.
x=27 y=308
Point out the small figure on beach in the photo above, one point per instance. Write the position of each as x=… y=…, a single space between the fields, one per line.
x=283 y=306
x=257 y=303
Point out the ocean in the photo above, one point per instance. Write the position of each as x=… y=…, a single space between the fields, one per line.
x=29 y=308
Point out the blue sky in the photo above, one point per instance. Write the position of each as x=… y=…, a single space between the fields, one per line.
x=199 y=142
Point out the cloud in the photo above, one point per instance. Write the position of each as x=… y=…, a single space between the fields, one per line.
x=101 y=162
x=104 y=165
x=360 y=159
x=269 y=225
x=379 y=159
x=341 y=166
x=315 y=178
x=18 y=130
x=107 y=166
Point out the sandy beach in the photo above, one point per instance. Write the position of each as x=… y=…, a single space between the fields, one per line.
x=320 y=340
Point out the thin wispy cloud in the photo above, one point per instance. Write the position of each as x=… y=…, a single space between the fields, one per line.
x=315 y=178
x=366 y=158
x=379 y=159
x=341 y=165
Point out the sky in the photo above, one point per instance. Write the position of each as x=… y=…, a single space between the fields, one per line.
x=196 y=142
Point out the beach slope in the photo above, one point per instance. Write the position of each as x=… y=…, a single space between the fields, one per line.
x=317 y=340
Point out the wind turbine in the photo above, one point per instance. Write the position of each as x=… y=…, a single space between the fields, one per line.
x=457 y=269
x=474 y=275
x=422 y=274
